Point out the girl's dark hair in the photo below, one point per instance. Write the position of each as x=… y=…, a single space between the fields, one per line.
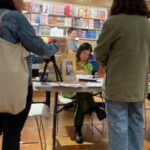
x=131 y=7
x=71 y=29
x=8 y=4
x=83 y=47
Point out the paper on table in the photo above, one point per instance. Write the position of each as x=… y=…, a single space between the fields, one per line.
x=94 y=84
x=79 y=76
x=71 y=84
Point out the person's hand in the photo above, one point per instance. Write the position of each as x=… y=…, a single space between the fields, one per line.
x=82 y=72
x=101 y=71
x=46 y=59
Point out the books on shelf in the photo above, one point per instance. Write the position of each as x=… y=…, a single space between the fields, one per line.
x=58 y=32
x=68 y=21
x=57 y=9
x=37 y=7
x=103 y=14
x=56 y=20
x=44 y=30
x=37 y=19
x=44 y=19
x=75 y=11
x=101 y=24
x=85 y=33
x=45 y=8
x=60 y=21
x=68 y=10
x=53 y=18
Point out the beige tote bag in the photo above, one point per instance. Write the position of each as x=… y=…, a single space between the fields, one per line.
x=14 y=76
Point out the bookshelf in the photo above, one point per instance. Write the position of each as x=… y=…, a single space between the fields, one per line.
x=52 y=19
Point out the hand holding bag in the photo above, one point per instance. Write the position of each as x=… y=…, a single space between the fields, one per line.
x=14 y=76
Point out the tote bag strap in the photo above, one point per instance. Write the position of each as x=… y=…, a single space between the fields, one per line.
x=3 y=14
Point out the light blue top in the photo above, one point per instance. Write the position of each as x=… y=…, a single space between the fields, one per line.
x=16 y=28
x=72 y=44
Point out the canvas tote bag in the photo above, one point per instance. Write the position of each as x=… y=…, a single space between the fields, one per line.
x=14 y=76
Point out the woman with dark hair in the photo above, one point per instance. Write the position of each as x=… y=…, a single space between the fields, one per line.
x=85 y=103
x=124 y=48
x=14 y=29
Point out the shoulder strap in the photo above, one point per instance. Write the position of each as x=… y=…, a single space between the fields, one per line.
x=3 y=14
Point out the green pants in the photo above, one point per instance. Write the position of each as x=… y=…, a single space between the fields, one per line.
x=84 y=102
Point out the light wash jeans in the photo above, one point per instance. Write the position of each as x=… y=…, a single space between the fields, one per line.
x=125 y=125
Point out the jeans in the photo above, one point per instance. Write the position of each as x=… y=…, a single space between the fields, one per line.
x=125 y=125
x=11 y=125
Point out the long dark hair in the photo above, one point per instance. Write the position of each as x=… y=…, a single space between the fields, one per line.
x=8 y=4
x=83 y=47
x=132 y=7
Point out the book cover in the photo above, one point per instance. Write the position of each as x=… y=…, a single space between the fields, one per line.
x=91 y=23
x=44 y=30
x=82 y=12
x=101 y=24
x=37 y=8
x=60 y=21
x=75 y=11
x=96 y=24
x=103 y=15
x=68 y=67
x=58 y=9
x=67 y=10
x=44 y=19
x=35 y=19
x=45 y=9
x=52 y=20
x=58 y=32
x=68 y=21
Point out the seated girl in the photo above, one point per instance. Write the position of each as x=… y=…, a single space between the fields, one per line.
x=85 y=103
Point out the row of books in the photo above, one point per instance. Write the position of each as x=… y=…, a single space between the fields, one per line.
x=88 y=34
x=48 y=20
x=67 y=10
x=38 y=19
x=88 y=23
x=62 y=32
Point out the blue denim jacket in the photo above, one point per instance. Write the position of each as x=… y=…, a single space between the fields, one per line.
x=16 y=28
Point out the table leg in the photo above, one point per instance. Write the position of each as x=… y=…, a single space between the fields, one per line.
x=54 y=121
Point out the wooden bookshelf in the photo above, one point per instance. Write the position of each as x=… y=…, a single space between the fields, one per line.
x=84 y=18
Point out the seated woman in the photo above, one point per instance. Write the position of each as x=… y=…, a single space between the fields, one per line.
x=85 y=103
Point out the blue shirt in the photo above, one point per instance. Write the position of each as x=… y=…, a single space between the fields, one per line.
x=72 y=44
x=15 y=28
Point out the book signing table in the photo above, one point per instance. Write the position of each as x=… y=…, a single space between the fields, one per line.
x=57 y=87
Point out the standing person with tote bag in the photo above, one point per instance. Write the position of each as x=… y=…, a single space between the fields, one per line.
x=124 y=48
x=17 y=35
